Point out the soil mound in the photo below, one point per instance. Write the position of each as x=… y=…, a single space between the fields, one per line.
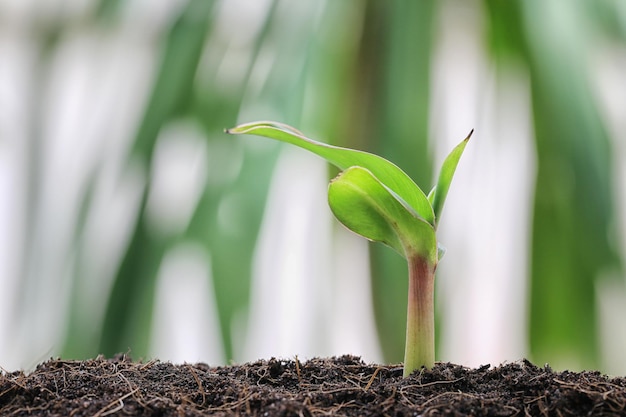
x=343 y=386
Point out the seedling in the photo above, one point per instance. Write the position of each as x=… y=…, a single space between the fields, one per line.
x=377 y=200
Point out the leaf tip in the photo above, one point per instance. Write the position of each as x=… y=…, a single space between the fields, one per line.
x=237 y=130
x=469 y=135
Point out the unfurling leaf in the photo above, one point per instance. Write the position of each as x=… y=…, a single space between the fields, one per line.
x=367 y=207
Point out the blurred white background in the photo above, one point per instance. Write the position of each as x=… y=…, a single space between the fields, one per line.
x=81 y=82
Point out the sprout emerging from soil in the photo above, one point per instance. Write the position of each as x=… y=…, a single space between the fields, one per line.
x=377 y=200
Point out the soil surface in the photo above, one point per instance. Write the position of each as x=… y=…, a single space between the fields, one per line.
x=343 y=386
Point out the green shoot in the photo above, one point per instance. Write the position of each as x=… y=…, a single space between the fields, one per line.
x=377 y=200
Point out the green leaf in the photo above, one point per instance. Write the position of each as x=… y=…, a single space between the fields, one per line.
x=367 y=207
x=440 y=191
x=396 y=180
x=431 y=195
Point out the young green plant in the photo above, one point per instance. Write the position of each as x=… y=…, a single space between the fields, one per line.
x=377 y=200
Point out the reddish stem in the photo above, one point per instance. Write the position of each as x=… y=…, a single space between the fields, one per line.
x=420 y=325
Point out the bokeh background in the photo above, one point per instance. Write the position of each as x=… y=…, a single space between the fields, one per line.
x=129 y=222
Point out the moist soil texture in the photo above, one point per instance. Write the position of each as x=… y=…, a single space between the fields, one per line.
x=342 y=386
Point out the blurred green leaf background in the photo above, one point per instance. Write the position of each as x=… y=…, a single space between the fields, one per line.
x=129 y=222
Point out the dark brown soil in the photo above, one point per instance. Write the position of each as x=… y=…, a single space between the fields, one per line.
x=342 y=386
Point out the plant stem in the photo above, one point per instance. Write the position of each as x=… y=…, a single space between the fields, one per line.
x=420 y=325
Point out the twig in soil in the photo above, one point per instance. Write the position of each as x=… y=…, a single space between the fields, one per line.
x=389 y=402
x=535 y=399
x=369 y=384
x=200 y=388
x=428 y=384
x=102 y=412
x=15 y=382
x=247 y=397
x=232 y=405
x=148 y=364
x=298 y=370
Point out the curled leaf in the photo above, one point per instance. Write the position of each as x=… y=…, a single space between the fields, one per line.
x=366 y=206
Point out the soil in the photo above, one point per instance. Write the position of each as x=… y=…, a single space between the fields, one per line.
x=343 y=386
